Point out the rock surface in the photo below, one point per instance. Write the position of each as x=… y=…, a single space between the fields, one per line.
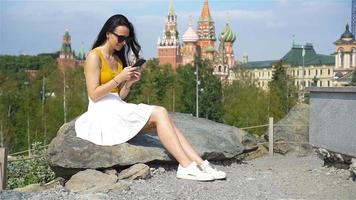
x=93 y=181
x=278 y=177
x=137 y=171
x=353 y=169
x=291 y=134
x=68 y=154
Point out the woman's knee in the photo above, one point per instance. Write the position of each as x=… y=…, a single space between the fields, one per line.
x=159 y=111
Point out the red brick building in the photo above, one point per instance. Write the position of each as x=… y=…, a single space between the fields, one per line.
x=67 y=58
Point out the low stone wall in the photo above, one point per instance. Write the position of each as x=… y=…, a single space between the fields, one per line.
x=332 y=124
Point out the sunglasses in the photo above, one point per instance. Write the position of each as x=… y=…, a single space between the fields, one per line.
x=122 y=38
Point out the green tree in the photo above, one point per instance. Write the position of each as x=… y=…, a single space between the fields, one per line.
x=283 y=95
x=186 y=96
x=353 y=79
x=210 y=101
x=245 y=104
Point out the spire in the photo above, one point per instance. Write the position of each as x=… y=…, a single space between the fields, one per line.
x=347 y=33
x=205 y=13
x=190 y=20
x=171 y=9
x=81 y=52
x=228 y=18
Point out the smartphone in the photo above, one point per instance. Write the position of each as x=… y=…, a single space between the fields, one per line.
x=139 y=62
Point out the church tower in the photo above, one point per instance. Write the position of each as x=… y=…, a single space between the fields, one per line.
x=345 y=57
x=225 y=59
x=227 y=39
x=66 y=55
x=206 y=30
x=190 y=45
x=168 y=44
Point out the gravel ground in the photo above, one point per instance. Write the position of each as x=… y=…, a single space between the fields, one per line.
x=279 y=177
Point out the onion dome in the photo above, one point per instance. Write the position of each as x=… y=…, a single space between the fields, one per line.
x=210 y=49
x=227 y=35
x=347 y=33
x=190 y=35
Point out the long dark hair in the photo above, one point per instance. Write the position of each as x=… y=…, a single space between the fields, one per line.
x=109 y=26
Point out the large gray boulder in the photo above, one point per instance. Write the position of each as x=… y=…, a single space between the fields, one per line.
x=68 y=154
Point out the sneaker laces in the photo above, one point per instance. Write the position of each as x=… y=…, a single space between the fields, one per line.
x=207 y=167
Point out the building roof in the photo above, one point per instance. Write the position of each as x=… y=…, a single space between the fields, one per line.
x=205 y=13
x=190 y=35
x=209 y=49
x=294 y=57
x=346 y=37
x=227 y=35
x=258 y=64
x=347 y=33
x=171 y=9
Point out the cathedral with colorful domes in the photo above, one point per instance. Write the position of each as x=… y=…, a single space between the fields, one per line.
x=199 y=43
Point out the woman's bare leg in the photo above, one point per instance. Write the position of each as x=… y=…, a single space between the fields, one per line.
x=167 y=135
x=187 y=147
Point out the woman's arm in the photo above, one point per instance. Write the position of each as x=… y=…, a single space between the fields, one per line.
x=92 y=77
x=125 y=89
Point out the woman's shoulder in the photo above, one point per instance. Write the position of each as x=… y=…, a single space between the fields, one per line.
x=93 y=54
x=93 y=57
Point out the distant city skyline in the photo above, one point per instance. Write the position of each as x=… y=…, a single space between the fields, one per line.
x=264 y=29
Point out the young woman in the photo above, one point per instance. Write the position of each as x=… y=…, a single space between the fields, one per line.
x=110 y=120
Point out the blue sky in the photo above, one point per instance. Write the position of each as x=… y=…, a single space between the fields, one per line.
x=264 y=28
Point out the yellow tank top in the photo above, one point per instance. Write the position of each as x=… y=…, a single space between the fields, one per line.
x=106 y=73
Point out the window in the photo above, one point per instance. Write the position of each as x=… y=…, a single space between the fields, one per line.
x=328 y=71
x=321 y=84
x=341 y=54
x=353 y=57
x=321 y=72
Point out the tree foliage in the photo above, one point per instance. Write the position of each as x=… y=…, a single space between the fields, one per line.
x=283 y=95
x=353 y=79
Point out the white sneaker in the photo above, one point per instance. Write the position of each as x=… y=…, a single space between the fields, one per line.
x=217 y=174
x=192 y=172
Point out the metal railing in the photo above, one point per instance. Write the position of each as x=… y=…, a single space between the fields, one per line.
x=270 y=134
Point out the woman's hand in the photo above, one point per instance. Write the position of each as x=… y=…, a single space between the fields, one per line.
x=136 y=76
x=127 y=73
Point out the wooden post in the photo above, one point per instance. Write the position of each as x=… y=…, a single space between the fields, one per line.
x=270 y=137
x=3 y=167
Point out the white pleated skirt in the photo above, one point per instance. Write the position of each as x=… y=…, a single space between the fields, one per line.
x=111 y=120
